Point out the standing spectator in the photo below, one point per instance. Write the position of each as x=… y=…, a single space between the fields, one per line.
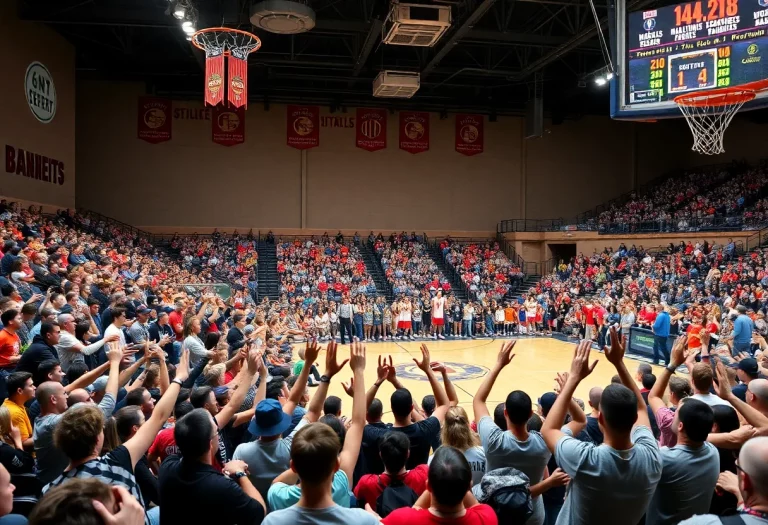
x=345 y=319
x=517 y=447
x=614 y=482
x=447 y=500
x=316 y=455
x=748 y=486
x=661 y=334
x=742 y=331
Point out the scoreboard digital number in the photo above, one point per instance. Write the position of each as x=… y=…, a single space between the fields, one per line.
x=695 y=46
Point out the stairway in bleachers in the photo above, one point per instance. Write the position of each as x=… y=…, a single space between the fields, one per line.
x=373 y=265
x=519 y=292
x=269 y=281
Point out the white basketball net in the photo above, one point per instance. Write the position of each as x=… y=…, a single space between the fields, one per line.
x=708 y=116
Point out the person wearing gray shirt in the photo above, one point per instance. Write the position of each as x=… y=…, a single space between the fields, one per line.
x=748 y=486
x=53 y=400
x=611 y=483
x=516 y=447
x=689 y=469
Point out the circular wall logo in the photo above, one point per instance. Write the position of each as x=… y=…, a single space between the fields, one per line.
x=40 y=91
x=303 y=126
x=228 y=121
x=456 y=371
x=752 y=49
x=469 y=133
x=154 y=118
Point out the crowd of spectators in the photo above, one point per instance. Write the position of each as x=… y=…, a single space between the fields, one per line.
x=483 y=267
x=231 y=257
x=128 y=399
x=706 y=198
x=408 y=266
x=325 y=267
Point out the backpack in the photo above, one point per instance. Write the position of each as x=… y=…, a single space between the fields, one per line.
x=394 y=496
x=506 y=491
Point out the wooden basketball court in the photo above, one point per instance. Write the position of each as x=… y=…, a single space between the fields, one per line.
x=536 y=362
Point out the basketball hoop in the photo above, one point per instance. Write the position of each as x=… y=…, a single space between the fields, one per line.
x=236 y=45
x=709 y=113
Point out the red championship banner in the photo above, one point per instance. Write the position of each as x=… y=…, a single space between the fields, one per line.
x=238 y=81
x=371 y=129
x=228 y=125
x=414 y=131
x=154 y=119
x=469 y=134
x=214 y=79
x=303 y=127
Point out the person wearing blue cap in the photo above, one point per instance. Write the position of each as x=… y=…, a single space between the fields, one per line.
x=269 y=455
x=323 y=465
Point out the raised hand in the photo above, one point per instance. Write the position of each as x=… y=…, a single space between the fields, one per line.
x=255 y=360
x=560 y=381
x=437 y=367
x=580 y=367
x=424 y=363
x=357 y=356
x=505 y=354
x=615 y=352
x=182 y=369
x=349 y=388
x=704 y=337
x=678 y=350
x=723 y=386
x=690 y=358
x=391 y=371
x=311 y=351
x=114 y=352
x=332 y=367
x=130 y=511
x=382 y=369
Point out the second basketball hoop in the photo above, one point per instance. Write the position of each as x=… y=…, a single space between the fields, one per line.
x=236 y=45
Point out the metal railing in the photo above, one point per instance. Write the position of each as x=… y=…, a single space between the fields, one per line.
x=705 y=224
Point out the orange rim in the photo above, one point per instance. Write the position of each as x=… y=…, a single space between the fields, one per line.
x=715 y=97
x=758 y=85
x=227 y=52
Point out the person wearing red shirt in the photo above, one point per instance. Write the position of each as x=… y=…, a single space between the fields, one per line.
x=176 y=320
x=589 y=320
x=394 y=450
x=447 y=500
x=10 y=344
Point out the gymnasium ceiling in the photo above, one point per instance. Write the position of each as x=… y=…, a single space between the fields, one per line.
x=494 y=58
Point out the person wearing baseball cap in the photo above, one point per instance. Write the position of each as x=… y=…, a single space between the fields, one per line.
x=747 y=371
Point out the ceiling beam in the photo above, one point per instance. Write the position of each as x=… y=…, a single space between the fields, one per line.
x=374 y=33
x=576 y=41
x=457 y=35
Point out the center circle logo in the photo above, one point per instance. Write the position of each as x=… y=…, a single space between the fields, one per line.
x=154 y=118
x=456 y=371
x=228 y=121
x=371 y=128
x=414 y=130
x=469 y=133
x=752 y=49
x=303 y=126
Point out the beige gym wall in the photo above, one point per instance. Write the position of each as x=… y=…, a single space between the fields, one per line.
x=23 y=43
x=193 y=183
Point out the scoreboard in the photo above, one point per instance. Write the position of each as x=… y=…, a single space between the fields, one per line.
x=694 y=46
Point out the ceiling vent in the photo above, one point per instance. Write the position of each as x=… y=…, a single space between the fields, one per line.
x=396 y=84
x=284 y=17
x=416 y=25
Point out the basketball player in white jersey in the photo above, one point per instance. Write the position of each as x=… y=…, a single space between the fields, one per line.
x=405 y=309
x=438 y=318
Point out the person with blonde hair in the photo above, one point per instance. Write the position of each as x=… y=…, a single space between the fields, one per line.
x=457 y=433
